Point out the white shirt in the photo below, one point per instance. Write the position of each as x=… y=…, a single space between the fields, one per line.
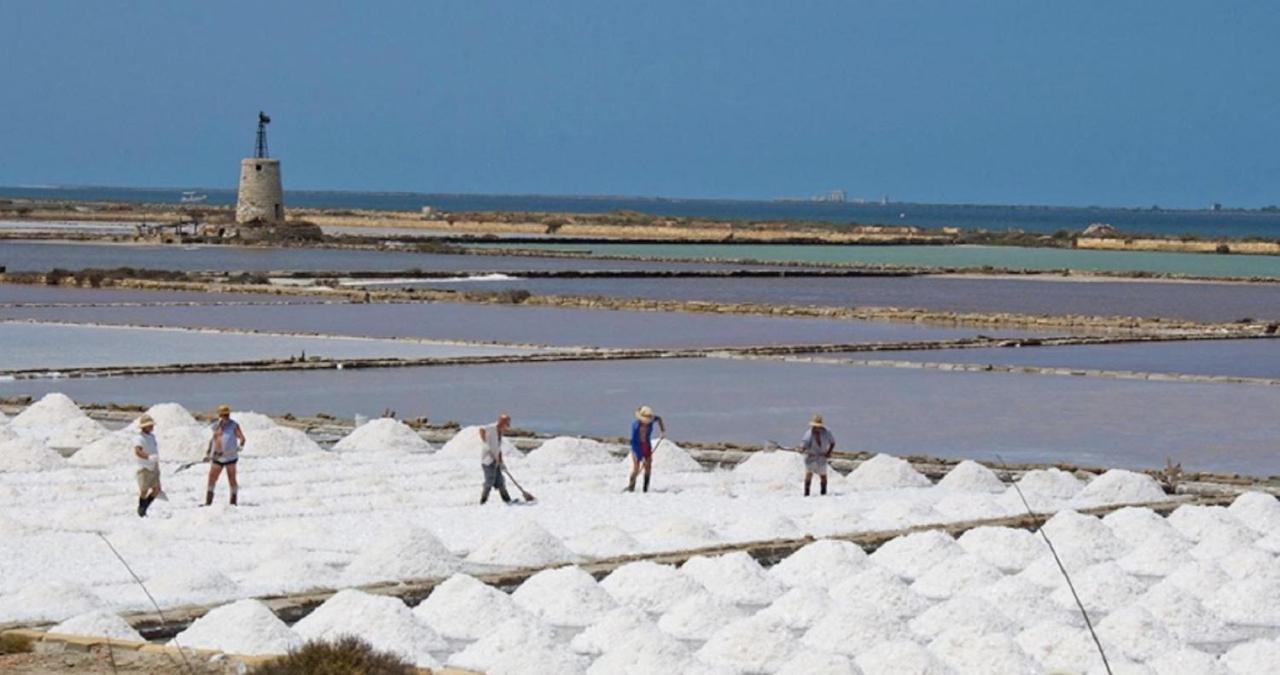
x=148 y=444
x=492 y=448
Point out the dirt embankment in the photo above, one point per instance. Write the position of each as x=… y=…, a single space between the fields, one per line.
x=1178 y=245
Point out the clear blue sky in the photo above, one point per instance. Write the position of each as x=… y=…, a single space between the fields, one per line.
x=999 y=101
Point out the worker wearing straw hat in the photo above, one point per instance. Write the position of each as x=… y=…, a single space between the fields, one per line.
x=146 y=457
x=817 y=445
x=224 y=452
x=642 y=444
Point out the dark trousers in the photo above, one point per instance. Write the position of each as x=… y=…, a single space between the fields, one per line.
x=493 y=478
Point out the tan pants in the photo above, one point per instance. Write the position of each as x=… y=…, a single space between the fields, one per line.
x=148 y=479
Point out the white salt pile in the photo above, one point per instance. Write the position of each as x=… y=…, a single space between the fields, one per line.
x=525 y=544
x=656 y=653
x=1008 y=549
x=384 y=622
x=981 y=654
x=244 y=627
x=289 y=574
x=183 y=444
x=1257 y=510
x=1102 y=588
x=1061 y=648
x=912 y=555
x=565 y=596
x=402 y=553
x=1156 y=557
x=1256 y=656
x=757 y=644
x=670 y=457
x=110 y=450
x=771 y=467
x=570 y=451
x=1200 y=578
x=75 y=433
x=466 y=446
x=819 y=563
x=763 y=528
x=1197 y=522
x=697 y=618
x=169 y=415
x=885 y=472
x=539 y=661
x=1139 y=635
x=970 y=476
x=810 y=661
x=679 y=532
x=98 y=623
x=735 y=577
x=1188 y=661
x=623 y=624
x=385 y=435
x=1138 y=524
x=7 y=434
x=801 y=606
x=850 y=627
x=252 y=421
x=1224 y=543
x=973 y=506
x=955 y=575
x=604 y=541
x=650 y=587
x=833 y=519
x=40 y=419
x=1118 y=486
x=28 y=454
x=1249 y=602
x=464 y=608
x=1052 y=483
x=518 y=634
x=972 y=613
x=1026 y=602
x=1073 y=532
x=280 y=441
x=192 y=585
x=900 y=656
x=881 y=588
x=1247 y=562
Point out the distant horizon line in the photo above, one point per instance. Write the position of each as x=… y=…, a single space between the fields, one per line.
x=652 y=198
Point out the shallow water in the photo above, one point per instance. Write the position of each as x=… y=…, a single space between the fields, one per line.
x=42 y=346
x=28 y=293
x=1096 y=421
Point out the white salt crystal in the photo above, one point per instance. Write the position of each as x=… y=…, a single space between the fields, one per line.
x=1118 y=486
x=912 y=555
x=42 y=418
x=970 y=476
x=972 y=613
x=1059 y=647
x=168 y=415
x=1250 y=602
x=973 y=506
x=1256 y=656
x=956 y=575
x=881 y=588
x=570 y=451
x=996 y=654
x=1139 y=634
x=1007 y=548
x=76 y=433
x=1249 y=562
x=1224 y=543
x=753 y=644
x=1187 y=661
x=110 y=450
x=901 y=656
x=812 y=661
x=786 y=468
x=184 y=444
x=736 y=577
x=650 y=587
x=402 y=553
x=1199 y=578
x=799 y=607
x=289 y=574
x=1137 y=524
x=1185 y=616
x=820 y=563
x=1258 y=510
x=764 y=528
x=1157 y=556
x=613 y=629
x=280 y=441
x=464 y=608
x=192 y=585
x=541 y=660
x=98 y=623
x=252 y=421
x=604 y=541
x=1026 y=602
x=245 y=627
x=1196 y=522
x=385 y=434
x=384 y=622
x=516 y=635
x=1103 y=587
x=28 y=454
x=653 y=653
x=1074 y=532
x=678 y=532
x=49 y=601
x=565 y=596
x=1054 y=483
x=698 y=617
x=523 y=544
x=850 y=627
x=885 y=472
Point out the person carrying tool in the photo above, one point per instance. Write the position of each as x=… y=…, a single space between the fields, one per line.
x=224 y=452
x=146 y=457
x=642 y=445
x=491 y=458
x=817 y=446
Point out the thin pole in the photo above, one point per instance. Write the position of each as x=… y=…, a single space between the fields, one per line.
x=149 y=597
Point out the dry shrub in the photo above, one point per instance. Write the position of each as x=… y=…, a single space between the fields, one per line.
x=348 y=655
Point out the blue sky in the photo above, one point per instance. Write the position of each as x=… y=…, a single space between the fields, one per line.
x=1005 y=101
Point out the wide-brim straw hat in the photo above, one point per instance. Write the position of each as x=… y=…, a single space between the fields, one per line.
x=816 y=421
x=224 y=409
x=644 y=413
x=146 y=421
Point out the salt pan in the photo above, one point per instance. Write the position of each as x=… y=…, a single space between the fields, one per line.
x=1008 y=549
x=27 y=454
x=566 y=596
x=1258 y=510
x=244 y=627
x=972 y=506
x=570 y=451
x=885 y=472
x=736 y=577
x=403 y=553
x=649 y=586
x=901 y=656
x=99 y=623
x=698 y=617
x=820 y=563
x=463 y=608
x=385 y=435
x=764 y=528
x=970 y=476
x=912 y=555
x=954 y=576
x=382 y=621
x=1118 y=486
x=524 y=544
x=753 y=644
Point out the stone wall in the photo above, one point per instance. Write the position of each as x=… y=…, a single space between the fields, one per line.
x=261 y=195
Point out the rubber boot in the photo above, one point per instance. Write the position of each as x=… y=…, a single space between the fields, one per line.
x=234 y=493
x=646 y=482
x=823 y=482
x=142 y=507
x=631 y=484
x=807 y=482
x=208 y=498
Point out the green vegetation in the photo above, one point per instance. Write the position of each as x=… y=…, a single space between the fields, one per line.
x=15 y=644
x=348 y=655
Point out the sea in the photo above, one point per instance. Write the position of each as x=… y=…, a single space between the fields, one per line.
x=1205 y=223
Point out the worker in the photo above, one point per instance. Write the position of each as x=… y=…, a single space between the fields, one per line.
x=146 y=457
x=224 y=452
x=817 y=445
x=491 y=458
x=642 y=444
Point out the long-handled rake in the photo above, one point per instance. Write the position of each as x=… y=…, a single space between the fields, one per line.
x=524 y=494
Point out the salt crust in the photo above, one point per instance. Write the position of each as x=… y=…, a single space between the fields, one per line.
x=53 y=601
x=280 y=441
x=619 y=626
x=1258 y=510
x=1187 y=661
x=382 y=621
x=466 y=446
x=901 y=656
x=1137 y=524
x=697 y=618
x=525 y=544
x=112 y=449
x=288 y=574
x=754 y=644
x=970 y=613
x=98 y=623
x=1196 y=522
x=885 y=472
x=1074 y=532
x=954 y=576
x=800 y=607
x=516 y=635
x=464 y=608
x=385 y=434
x=1256 y=656
x=912 y=555
x=1250 y=602
x=40 y=419
x=853 y=626
x=654 y=653
x=407 y=552
x=735 y=577
x=187 y=584
x=1156 y=557
x=973 y=506
x=650 y=586
x=668 y=456
x=75 y=433
x=28 y=454
x=1026 y=602
x=1103 y=587
x=782 y=468
x=604 y=541
x=881 y=588
x=565 y=596
x=1008 y=549
x=680 y=532
x=570 y=451
x=1118 y=486
x=810 y=662
x=1139 y=634
x=1052 y=482
x=970 y=476
x=244 y=627
x=972 y=654
x=763 y=528
x=538 y=661
x=820 y=563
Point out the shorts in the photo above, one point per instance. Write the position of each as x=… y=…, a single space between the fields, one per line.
x=816 y=464
x=226 y=462
x=148 y=479
x=642 y=454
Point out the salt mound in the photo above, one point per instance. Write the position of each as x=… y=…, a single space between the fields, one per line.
x=649 y=586
x=519 y=635
x=900 y=656
x=244 y=627
x=763 y=528
x=7 y=434
x=1136 y=524
x=1072 y=531
x=192 y=585
x=464 y=608
x=812 y=661
x=169 y=415
x=252 y=421
x=954 y=576
x=289 y=574
x=981 y=654
x=1118 y=486
x=680 y=532
x=76 y=433
x=1257 y=656
x=385 y=434
x=524 y=544
x=656 y=653
x=697 y=618
x=1249 y=602
x=1258 y=510
x=467 y=446
x=973 y=613
x=99 y=623
x=1139 y=635
x=970 y=476
x=570 y=451
x=736 y=577
x=1187 y=661
x=382 y=621
x=882 y=589
x=1248 y=562
x=1200 y=578
x=41 y=418
x=110 y=450
x=1224 y=543
x=800 y=607
x=621 y=625
x=1197 y=522
x=403 y=553
x=771 y=467
x=973 y=506
x=896 y=514
x=667 y=456
x=1103 y=588
x=885 y=472
x=1061 y=648
x=1008 y=549
x=1156 y=557
x=754 y=644
x=1052 y=483
x=912 y=555
x=566 y=596
x=183 y=444
x=280 y=441
x=1025 y=602
x=604 y=541
x=51 y=601
x=819 y=563
x=27 y=454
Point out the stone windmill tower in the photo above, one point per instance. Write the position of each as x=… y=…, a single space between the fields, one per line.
x=260 y=198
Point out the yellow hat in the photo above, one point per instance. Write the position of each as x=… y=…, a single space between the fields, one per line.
x=816 y=421
x=644 y=413
x=224 y=409
x=146 y=421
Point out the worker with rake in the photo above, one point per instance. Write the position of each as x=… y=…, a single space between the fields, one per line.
x=224 y=452
x=491 y=458
x=642 y=445
x=817 y=446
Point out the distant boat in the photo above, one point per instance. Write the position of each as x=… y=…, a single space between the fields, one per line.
x=193 y=197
